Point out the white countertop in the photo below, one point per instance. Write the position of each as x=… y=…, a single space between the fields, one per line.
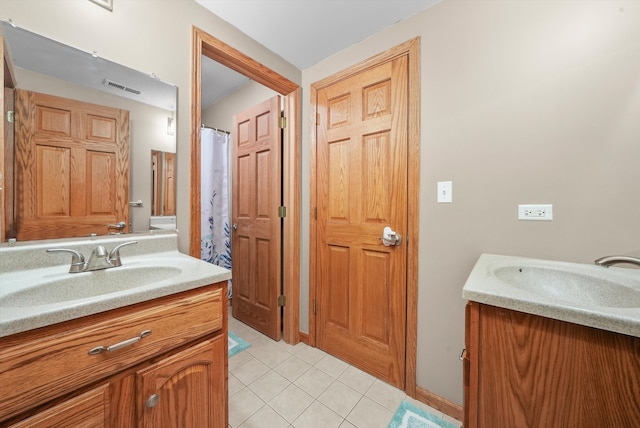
x=23 y=266
x=585 y=294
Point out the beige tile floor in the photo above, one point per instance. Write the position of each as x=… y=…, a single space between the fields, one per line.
x=273 y=385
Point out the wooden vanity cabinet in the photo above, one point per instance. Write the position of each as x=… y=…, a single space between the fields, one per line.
x=524 y=370
x=174 y=377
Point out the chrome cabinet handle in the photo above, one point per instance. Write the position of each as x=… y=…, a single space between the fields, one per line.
x=99 y=349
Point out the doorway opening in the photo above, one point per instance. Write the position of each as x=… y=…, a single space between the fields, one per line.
x=213 y=48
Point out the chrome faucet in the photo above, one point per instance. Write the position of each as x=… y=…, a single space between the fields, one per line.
x=612 y=260
x=98 y=260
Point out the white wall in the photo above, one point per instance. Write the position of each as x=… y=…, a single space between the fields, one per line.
x=521 y=102
x=220 y=114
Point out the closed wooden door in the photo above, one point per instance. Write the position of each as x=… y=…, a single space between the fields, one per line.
x=72 y=167
x=169 y=184
x=256 y=194
x=361 y=185
x=186 y=390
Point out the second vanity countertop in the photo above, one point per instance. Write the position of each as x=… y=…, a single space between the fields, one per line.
x=154 y=264
x=590 y=295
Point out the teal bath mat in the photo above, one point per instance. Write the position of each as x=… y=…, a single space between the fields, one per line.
x=236 y=344
x=410 y=416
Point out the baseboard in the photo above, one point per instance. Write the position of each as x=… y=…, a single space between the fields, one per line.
x=439 y=403
x=303 y=337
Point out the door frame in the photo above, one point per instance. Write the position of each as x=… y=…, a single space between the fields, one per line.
x=411 y=48
x=211 y=47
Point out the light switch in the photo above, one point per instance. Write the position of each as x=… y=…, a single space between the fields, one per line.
x=445 y=192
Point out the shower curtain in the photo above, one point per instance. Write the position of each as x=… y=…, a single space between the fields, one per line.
x=215 y=243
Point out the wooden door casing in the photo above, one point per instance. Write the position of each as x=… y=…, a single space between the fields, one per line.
x=361 y=185
x=256 y=197
x=72 y=167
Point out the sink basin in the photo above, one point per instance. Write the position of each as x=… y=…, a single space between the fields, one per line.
x=57 y=288
x=598 y=288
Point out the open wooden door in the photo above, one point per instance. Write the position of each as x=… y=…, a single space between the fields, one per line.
x=361 y=184
x=256 y=198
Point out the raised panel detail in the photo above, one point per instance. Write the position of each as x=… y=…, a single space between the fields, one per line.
x=263 y=184
x=376 y=178
x=375 y=307
x=339 y=111
x=243 y=133
x=339 y=286
x=100 y=178
x=241 y=277
x=53 y=190
x=53 y=121
x=244 y=182
x=263 y=129
x=101 y=128
x=338 y=186
x=263 y=272
x=376 y=100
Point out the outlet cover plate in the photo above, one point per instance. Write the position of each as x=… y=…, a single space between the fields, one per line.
x=535 y=212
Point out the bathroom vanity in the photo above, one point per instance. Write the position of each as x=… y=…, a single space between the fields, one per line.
x=149 y=356
x=537 y=357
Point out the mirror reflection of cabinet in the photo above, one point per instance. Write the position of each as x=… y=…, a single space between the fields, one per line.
x=163 y=189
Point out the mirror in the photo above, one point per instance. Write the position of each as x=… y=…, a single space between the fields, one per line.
x=46 y=66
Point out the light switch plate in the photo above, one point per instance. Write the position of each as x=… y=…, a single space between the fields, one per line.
x=445 y=192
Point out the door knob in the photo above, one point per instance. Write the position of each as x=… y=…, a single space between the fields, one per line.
x=234 y=226
x=390 y=238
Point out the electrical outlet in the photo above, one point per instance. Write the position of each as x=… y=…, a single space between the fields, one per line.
x=535 y=212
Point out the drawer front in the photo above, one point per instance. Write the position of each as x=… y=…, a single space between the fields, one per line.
x=45 y=365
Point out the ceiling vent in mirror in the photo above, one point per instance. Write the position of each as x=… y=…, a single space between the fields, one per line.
x=120 y=86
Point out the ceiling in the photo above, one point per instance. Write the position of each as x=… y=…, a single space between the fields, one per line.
x=303 y=32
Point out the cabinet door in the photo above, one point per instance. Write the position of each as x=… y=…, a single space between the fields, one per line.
x=185 y=390
x=88 y=410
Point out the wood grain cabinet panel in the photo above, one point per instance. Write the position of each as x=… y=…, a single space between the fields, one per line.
x=529 y=371
x=88 y=410
x=40 y=368
x=190 y=378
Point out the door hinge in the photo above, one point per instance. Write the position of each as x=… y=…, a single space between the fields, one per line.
x=10 y=116
x=283 y=122
x=282 y=212
x=282 y=300
x=315 y=213
x=314 y=307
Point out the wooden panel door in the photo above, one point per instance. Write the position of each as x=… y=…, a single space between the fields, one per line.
x=185 y=390
x=169 y=184
x=72 y=167
x=256 y=188
x=361 y=189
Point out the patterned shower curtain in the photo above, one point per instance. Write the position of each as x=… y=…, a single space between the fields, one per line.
x=215 y=243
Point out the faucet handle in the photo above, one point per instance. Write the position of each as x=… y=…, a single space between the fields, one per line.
x=77 y=259
x=114 y=255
